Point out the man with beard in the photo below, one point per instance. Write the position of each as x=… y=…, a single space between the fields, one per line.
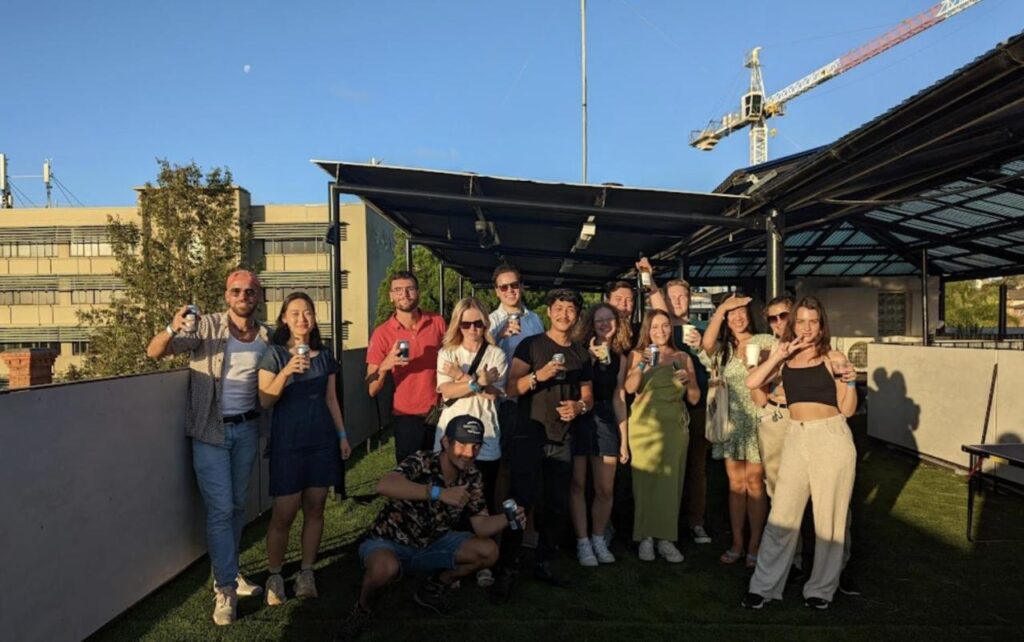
x=430 y=494
x=223 y=421
x=406 y=345
x=551 y=375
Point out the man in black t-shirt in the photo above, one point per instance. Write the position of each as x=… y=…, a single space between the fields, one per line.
x=552 y=376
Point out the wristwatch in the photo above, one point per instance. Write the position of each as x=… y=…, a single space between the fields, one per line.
x=170 y=329
x=583 y=407
x=474 y=385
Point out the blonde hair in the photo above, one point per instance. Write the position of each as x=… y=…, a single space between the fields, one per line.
x=453 y=337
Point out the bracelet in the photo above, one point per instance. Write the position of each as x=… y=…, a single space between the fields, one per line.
x=474 y=386
x=170 y=329
x=642 y=366
x=533 y=381
x=583 y=407
x=435 y=493
x=342 y=434
x=851 y=384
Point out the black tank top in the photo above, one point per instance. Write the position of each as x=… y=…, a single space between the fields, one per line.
x=606 y=378
x=810 y=385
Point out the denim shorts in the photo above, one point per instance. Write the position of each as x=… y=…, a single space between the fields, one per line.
x=439 y=555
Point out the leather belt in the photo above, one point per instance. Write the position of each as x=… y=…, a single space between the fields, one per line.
x=237 y=419
x=777 y=404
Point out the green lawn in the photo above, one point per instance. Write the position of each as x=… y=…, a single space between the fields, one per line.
x=921 y=580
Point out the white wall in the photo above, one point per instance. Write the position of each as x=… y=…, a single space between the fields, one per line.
x=852 y=302
x=101 y=505
x=933 y=400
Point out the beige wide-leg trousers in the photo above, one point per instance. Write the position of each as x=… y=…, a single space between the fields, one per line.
x=818 y=461
x=771 y=436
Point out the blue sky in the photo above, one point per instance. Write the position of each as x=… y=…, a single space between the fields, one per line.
x=492 y=87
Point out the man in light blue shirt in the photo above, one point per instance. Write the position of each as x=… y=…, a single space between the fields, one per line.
x=512 y=321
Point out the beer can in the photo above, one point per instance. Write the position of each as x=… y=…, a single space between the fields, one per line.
x=655 y=354
x=514 y=318
x=302 y=350
x=403 y=349
x=191 y=318
x=510 y=506
x=559 y=358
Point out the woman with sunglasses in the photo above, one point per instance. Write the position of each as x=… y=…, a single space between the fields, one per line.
x=818 y=458
x=307 y=438
x=466 y=342
x=730 y=330
x=601 y=439
x=659 y=434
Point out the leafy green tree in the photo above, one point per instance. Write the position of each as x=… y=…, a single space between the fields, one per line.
x=188 y=241
x=973 y=305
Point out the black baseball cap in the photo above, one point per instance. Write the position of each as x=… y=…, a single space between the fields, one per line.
x=465 y=429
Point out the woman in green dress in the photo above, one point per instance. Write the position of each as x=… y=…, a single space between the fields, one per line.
x=730 y=331
x=658 y=435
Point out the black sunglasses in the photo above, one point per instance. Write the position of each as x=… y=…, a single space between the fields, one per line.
x=504 y=287
x=466 y=325
x=249 y=292
x=781 y=316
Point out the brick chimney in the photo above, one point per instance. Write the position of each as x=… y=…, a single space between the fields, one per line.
x=29 y=366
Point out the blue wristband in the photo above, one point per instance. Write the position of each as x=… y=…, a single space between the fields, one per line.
x=435 y=493
x=474 y=386
x=851 y=384
x=342 y=434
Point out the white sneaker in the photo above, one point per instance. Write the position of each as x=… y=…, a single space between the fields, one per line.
x=225 y=606
x=585 y=553
x=275 y=590
x=601 y=549
x=484 y=578
x=646 y=552
x=700 y=536
x=245 y=587
x=305 y=584
x=669 y=551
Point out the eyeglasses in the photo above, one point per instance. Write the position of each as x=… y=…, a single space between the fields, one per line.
x=412 y=289
x=505 y=287
x=781 y=316
x=236 y=292
x=466 y=325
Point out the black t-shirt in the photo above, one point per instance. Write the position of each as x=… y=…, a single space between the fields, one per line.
x=538 y=408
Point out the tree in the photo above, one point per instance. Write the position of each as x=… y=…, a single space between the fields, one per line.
x=974 y=305
x=188 y=241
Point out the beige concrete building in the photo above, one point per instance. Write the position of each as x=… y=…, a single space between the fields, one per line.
x=55 y=262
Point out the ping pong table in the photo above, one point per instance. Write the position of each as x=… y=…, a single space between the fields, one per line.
x=1011 y=454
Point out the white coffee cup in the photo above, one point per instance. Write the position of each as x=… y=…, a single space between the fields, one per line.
x=687 y=329
x=753 y=354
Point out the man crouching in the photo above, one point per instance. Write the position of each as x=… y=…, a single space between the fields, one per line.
x=429 y=494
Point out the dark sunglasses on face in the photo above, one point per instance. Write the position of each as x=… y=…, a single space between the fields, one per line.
x=505 y=287
x=781 y=316
x=466 y=325
x=249 y=292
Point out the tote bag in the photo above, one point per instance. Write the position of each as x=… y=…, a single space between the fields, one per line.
x=718 y=428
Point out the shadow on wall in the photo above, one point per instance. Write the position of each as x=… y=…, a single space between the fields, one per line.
x=890 y=396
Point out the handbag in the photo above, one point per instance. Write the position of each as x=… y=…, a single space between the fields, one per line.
x=718 y=428
x=433 y=418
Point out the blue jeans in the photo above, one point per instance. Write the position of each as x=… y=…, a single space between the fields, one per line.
x=223 y=473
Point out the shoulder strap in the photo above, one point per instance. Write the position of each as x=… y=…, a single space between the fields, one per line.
x=477 y=359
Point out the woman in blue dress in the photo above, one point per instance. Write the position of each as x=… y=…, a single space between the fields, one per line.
x=307 y=438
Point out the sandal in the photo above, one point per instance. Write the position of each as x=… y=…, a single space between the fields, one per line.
x=751 y=561
x=730 y=556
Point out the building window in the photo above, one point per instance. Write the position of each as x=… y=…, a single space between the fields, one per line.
x=91 y=248
x=91 y=296
x=27 y=250
x=892 y=314
x=316 y=293
x=52 y=345
x=79 y=347
x=29 y=297
x=301 y=246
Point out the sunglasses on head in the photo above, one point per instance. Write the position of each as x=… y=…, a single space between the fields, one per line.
x=240 y=291
x=781 y=316
x=466 y=325
x=505 y=287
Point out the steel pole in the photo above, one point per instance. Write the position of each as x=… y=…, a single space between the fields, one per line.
x=924 y=298
x=775 y=262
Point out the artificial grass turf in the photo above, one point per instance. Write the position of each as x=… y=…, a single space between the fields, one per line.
x=920 y=578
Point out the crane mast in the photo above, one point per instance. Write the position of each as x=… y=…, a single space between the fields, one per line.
x=756 y=108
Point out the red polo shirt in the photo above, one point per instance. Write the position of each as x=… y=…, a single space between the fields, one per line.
x=415 y=383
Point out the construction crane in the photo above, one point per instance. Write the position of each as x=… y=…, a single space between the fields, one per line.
x=755 y=109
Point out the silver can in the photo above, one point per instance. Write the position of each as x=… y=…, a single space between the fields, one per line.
x=514 y=318
x=559 y=358
x=191 y=319
x=302 y=350
x=403 y=349
x=510 y=506
x=655 y=354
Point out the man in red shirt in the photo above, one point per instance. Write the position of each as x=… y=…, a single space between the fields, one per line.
x=414 y=373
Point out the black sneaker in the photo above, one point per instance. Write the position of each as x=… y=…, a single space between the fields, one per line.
x=754 y=601
x=847 y=585
x=504 y=580
x=796 y=576
x=817 y=603
x=433 y=594
x=542 y=571
x=354 y=624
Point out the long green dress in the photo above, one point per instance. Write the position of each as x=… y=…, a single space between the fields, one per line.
x=658 y=438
